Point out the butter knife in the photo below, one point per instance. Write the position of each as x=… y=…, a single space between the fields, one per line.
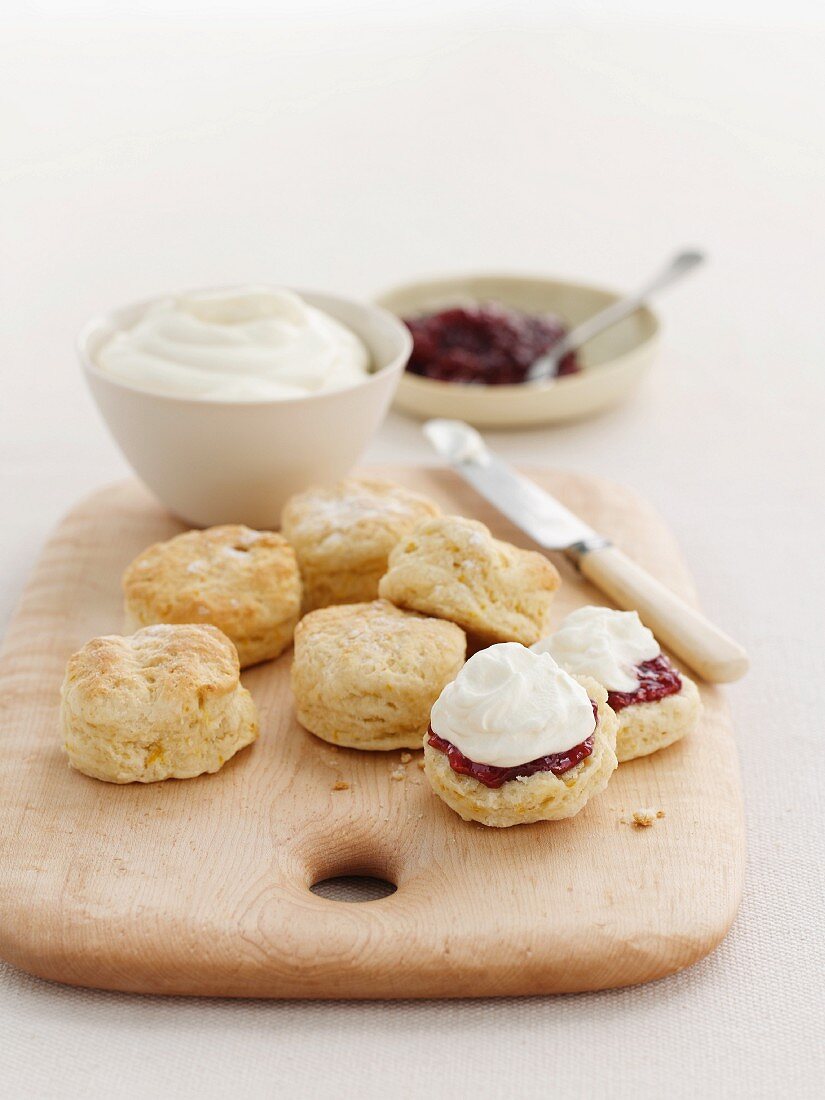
x=688 y=634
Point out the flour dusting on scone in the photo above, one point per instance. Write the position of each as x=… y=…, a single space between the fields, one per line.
x=343 y=536
x=514 y=739
x=453 y=568
x=244 y=582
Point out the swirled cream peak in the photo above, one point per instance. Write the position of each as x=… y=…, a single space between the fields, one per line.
x=245 y=344
x=602 y=643
x=508 y=706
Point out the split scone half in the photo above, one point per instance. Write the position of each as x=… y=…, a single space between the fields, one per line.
x=366 y=675
x=244 y=582
x=343 y=535
x=655 y=704
x=164 y=703
x=514 y=739
x=453 y=568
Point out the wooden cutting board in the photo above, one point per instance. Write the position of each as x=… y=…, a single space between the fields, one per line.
x=202 y=886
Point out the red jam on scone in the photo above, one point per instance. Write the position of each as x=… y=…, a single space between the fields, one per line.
x=657 y=678
x=556 y=762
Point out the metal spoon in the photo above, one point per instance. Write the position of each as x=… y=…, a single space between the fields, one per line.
x=546 y=365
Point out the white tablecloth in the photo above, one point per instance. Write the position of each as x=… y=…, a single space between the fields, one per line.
x=352 y=151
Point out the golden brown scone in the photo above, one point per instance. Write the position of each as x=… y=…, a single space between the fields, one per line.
x=366 y=675
x=343 y=536
x=244 y=582
x=539 y=797
x=453 y=568
x=647 y=727
x=163 y=703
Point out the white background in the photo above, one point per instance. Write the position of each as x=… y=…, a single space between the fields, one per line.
x=354 y=146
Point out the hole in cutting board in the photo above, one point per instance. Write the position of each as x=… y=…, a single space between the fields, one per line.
x=353 y=888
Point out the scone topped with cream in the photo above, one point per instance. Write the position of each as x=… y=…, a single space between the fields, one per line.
x=655 y=704
x=244 y=582
x=515 y=739
x=343 y=535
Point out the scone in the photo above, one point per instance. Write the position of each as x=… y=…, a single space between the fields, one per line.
x=454 y=568
x=164 y=703
x=244 y=582
x=655 y=705
x=514 y=739
x=343 y=536
x=648 y=726
x=365 y=675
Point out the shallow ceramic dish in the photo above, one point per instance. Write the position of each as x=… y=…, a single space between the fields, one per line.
x=215 y=462
x=613 y=363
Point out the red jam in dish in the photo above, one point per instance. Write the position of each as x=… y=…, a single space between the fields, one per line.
x=657 y=678
x=558 y=762
x=488 y=344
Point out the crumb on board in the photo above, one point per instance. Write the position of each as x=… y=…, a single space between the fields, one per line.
x=406 y=757
x=643 y=819
x=397 y=774
x=340 y=785
x=421 y=764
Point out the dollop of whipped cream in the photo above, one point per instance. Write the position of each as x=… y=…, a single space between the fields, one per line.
x=602 y=643
x=248 y=343
x=508 y=706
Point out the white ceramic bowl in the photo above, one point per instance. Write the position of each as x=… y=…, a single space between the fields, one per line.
x=613 y=363
x=237 y=462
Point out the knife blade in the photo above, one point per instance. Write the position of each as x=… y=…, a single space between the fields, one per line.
x=710 y=652
x=530 y=508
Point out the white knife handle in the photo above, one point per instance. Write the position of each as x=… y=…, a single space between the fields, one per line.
x=716 y=657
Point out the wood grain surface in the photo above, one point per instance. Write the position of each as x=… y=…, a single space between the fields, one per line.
x=202 y=886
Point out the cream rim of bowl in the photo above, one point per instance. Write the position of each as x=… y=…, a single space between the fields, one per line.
x=181 y=346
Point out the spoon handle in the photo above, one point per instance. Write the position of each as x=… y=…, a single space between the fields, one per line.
x=680 y=265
